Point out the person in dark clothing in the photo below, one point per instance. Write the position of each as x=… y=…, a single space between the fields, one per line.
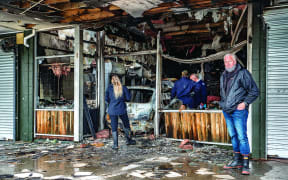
x=182 y=89
x=116 y=96
x=237 y=90
x=200 y=97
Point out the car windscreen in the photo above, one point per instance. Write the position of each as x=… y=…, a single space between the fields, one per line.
x=140 y=95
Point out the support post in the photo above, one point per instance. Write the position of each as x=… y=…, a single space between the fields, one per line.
x=202 y=71
x=249 y=67
x=158 y=86
x=101 y=84
x=78 y=84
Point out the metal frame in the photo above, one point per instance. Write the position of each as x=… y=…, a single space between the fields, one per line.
x=193 y=111
x=266 y=93
x=158 y=86
x=78 y=84
x=249 y=67
x=56 y=109
x=101 y=78
x=55 y=56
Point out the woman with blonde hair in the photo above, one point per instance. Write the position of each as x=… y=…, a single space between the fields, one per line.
x=116 y=96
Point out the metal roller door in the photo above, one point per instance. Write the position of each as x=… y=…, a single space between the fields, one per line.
x=7 y=96
x=277 y=82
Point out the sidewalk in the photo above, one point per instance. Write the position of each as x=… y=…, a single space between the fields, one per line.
x=149 y=159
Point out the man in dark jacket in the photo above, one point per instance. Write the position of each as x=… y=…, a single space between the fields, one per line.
x=238 y=90
x=200 y=97
x=182 y=89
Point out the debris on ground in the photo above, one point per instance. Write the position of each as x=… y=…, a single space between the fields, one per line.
x=150 y=158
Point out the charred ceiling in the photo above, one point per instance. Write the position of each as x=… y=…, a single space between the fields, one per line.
x=189 y=28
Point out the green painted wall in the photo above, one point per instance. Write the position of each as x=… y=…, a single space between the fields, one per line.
x=26 y=91
x=259 y=74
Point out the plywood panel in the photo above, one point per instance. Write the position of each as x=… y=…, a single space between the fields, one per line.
x=200 y=126
x=54 y=122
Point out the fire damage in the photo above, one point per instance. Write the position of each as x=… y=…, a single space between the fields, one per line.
x=147 y=44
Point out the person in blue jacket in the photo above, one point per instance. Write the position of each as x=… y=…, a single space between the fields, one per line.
x=183 y=88
x=116 y=96
x=200 y=97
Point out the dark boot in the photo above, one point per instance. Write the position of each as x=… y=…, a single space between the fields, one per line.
x=129 y=140
x=236 y=163
x=245 y=169
x=115 y=140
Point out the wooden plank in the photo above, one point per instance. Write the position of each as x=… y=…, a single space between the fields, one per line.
x=213 y=126
x=94 y=16
x=67 y=117
x=183 y=125
x=174 y=123
x=55 y=1
x=167 y=124
x=187 y=32
x=74 y=12
x=194 y=126
x=164 y=7
x=57 y=123
x=61 y=124
x=113 y=7
x=208 y=125
x=218 y=127
x=69 y=5
x=52 y=122
x=72 y=123
x=37 y=121
x=43 y=122
x=189 y=125
x=198 y=125
x=49 y=122
x=203 y=126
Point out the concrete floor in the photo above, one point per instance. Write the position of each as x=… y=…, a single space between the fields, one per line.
x=149 y=159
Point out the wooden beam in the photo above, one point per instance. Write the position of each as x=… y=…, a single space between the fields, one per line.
x=238 y=29
x=92 y=15
x=157 y=10
x=113 y=8
x=55 y=1
x=69 y=5
x=164 y=7
x=187 y=32
x=95 y=16
x=73 y=12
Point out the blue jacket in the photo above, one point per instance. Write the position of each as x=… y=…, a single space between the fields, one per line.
x=117 y=106
x=201 y=95
x=182 y=89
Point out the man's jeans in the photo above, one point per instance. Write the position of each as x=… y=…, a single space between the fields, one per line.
x=237 y=128
x=114 y=121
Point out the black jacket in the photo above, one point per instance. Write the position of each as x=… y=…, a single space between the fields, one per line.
x=243 y=89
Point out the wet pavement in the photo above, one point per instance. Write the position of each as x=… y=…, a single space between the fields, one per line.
x=149 y=159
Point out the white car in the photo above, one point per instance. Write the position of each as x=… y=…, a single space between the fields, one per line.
x=141 y=108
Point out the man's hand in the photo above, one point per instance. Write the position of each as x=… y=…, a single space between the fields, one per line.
x=241 y=106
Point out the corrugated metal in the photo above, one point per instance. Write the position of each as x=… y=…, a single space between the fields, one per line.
x=277 y=82
x=7 y=96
